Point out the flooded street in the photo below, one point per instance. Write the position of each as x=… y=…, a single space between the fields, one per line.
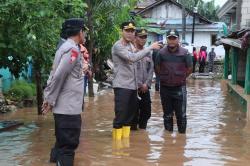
x=217 y=134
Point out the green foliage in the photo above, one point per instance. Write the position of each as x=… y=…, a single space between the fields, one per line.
x=21 y=90
x=107 y=17
x=32 y=28
x=206 y=9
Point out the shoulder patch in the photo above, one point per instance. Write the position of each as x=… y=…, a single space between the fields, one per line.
x=73 y=55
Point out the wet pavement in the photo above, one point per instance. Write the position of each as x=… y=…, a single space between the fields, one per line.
x=217 y=134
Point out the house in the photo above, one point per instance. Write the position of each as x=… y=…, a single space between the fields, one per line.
x=228 y=14
x=7 y=78
x=163 y=15
x=237 y=50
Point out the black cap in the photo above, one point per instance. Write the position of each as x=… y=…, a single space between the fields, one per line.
x=172 y=32
x=141 y=32
x=74 y=23
x=128 y=25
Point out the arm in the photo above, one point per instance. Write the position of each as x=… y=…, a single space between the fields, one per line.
x=65 y=66
x=189 y=64
x=150 y=73
x=157 y=62
x=130 y=56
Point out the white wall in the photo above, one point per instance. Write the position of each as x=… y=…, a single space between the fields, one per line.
x=245 y=11
x=200 y=39
x=166 y=10
x=174 y=11
x=159 y=12
x=204 y=39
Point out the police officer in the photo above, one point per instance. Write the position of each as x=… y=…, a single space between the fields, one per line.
x=174 y=64
x=145 y=68
x=124 y=56
x=64 y=94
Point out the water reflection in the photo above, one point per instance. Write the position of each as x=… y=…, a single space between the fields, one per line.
x=217 y=134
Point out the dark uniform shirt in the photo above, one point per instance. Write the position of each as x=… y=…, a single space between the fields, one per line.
x=173 y=66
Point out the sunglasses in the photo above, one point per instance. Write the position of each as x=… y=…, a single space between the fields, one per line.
x=143 y=37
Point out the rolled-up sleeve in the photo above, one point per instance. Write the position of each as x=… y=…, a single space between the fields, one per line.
x=130 y=56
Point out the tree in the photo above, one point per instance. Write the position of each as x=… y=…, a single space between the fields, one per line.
x=103 y=20
x=32 y=28
x=207 y=9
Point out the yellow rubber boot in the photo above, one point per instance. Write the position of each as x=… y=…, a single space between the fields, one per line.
x=114 y=133
x=118 y=134
x=125 y=131
x=125 y=142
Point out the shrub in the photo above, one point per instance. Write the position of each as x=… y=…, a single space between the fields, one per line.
x=21 y=90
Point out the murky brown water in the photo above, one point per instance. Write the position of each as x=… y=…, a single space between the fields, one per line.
x=217 y=134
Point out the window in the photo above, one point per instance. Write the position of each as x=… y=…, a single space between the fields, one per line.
x=248 y=22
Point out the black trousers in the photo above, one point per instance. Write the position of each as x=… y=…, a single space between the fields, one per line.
x=125 y=107
x=174 y=100
x=194 y=64
x=157 y=82
x=211 y=65
x=67 y=132
x=143 y=112
x=202 y=66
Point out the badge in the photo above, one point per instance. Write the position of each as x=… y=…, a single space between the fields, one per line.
x=73 y=55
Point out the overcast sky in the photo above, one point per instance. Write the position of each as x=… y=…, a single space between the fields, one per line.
x=217 y=2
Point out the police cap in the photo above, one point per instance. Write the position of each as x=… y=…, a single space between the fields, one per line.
x=74 y=23
x=141 y=32
x=128 y=25
x=172 y=32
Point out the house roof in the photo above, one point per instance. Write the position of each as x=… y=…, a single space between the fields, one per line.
x=145 y=3
x=218 y=27
x=228 y=8
x=159 y=2
x=239 y=39
x=231 y=42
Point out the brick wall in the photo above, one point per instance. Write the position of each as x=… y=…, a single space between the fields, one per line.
x=245 y=11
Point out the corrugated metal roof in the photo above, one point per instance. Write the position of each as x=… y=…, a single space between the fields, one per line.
x=159 y=2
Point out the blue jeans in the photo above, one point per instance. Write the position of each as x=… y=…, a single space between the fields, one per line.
x=85 y=84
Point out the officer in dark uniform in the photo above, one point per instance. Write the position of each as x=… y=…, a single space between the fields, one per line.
x=64 y=94
x=145 y=69
x=174 y=65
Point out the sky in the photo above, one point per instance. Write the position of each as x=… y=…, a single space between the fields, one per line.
x=217 y=2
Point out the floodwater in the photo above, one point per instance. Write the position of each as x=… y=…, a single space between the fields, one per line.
x=217 y=134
